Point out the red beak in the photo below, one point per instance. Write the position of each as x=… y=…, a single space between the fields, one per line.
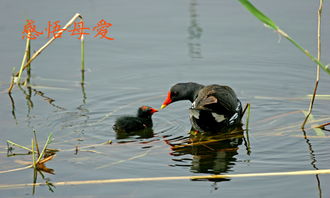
x=153 y=110
x=167 y=101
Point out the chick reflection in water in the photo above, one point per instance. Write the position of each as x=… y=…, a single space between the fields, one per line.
x=139 y=125
x=213 y=154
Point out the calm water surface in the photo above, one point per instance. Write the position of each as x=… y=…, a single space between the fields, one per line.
x=159 y=43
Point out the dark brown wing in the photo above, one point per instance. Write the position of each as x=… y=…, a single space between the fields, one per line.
x=216 y=98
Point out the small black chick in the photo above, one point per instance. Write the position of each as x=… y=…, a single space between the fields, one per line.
x=142 y=120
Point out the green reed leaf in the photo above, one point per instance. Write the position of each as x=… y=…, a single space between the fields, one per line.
x=257 y=13
x=263 y=18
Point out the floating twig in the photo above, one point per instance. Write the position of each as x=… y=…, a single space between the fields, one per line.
x=16 y=169
x=149 y=179
x=322 y=126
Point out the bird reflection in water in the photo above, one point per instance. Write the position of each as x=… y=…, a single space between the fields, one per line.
x=211 y=154
x=144 y=133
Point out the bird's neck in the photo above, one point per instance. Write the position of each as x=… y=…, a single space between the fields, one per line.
x=194 y=88
x=143 y=115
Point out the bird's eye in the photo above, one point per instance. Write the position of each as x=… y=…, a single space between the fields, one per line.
x=174 y=93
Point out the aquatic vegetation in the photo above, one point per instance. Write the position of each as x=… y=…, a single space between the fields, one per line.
x=38 y=158
x=319 y=14
x=271 y=24
x=27 y=60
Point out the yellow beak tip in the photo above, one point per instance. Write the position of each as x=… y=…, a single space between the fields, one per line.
x=163 y=106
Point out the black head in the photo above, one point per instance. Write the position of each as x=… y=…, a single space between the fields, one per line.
x=182 y=91
x=145 y=111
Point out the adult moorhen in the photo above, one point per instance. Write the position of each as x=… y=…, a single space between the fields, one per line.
x=142 y=120
x=214 y=107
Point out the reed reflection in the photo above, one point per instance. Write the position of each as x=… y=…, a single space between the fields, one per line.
x=194 y=31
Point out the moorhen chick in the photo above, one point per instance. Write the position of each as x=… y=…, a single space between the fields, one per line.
x=128 y=124
x=214 y=107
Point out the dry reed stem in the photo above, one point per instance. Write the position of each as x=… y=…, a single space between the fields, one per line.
x=28 y=72
x=311 y=104
x=225 y=137
x=46 y=159
x=16 y=169
x=320 y=96
x=34 y=163
x=148 y=179
x=248 y=117
x=36 y=141
x=307 y=97
x=45 y=147
x=82 y=40
x=27 y=46
x=322 y=125
x=318 y=131
x=34 y=56
x=43 y=161
x=20 y=146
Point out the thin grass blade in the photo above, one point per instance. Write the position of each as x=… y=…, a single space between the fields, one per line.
x=49 y=139
x=20 y=146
